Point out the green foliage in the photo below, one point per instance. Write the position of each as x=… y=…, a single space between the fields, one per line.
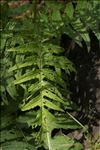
x=43 y=83
x=64 y=143
x=12 y=137
x=34 y=72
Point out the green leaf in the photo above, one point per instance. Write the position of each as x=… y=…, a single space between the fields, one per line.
x=35 y=87
x=21 y=65
x=56 y=16
x=69 y=10
x=6 y=120
x=7 y=135
x=29 y=47
x=81 y=5
x=52 y=96
x=51 y=75
x=64 y=142
x=66 y=122
x=27 y=77
x=52 y=106
x=32 y=103
x=12 y=91
x=79 y=27
x=52 y=48
x=17 y=145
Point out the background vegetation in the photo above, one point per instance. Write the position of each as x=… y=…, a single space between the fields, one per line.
x=40 y=41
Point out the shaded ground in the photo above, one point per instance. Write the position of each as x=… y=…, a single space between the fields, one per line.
x=85 y=87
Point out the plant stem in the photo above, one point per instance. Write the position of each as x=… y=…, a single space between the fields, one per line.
x=35 y=2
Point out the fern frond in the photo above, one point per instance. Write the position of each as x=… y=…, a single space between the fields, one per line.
x=37 y=66
x=43 y=83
